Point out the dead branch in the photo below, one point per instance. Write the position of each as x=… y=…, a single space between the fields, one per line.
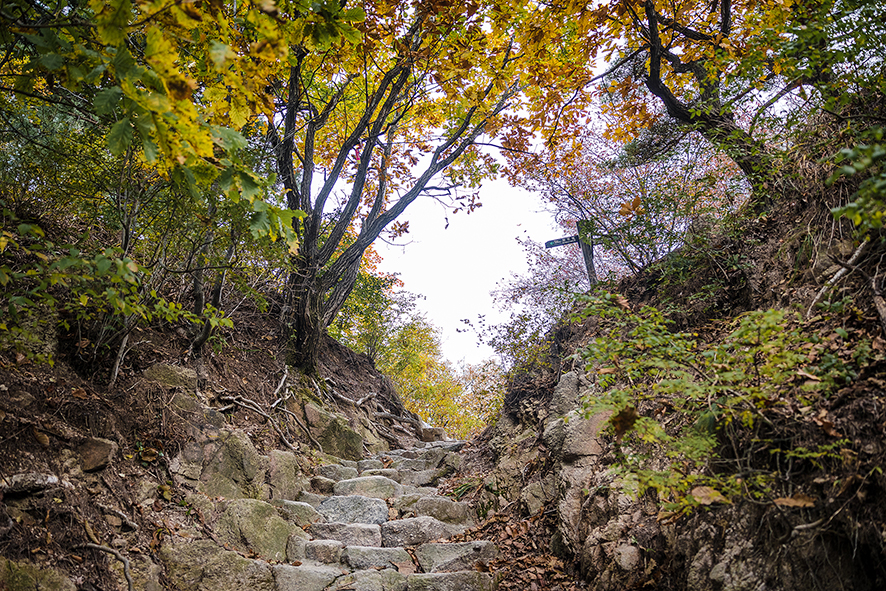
x=116 y=555
x=108 y=509
x=250 y=405
x=366 y=398
x=848 y=266
x=389 y=416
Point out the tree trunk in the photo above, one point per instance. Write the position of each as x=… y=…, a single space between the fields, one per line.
x=306 y=325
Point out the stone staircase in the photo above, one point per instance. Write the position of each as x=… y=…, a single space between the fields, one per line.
x=376 y=525
x=373 y=525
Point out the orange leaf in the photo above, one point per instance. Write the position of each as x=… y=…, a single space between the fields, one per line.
x=705 y=495
x=624 y=421
x=798 y=500
x=41 y=437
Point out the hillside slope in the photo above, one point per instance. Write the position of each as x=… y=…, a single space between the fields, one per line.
x=716 y=422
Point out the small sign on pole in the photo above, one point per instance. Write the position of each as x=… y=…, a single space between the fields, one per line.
x=587 y=248
x=561 y=241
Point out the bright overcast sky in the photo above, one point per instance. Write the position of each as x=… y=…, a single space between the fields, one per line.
x=455 y=268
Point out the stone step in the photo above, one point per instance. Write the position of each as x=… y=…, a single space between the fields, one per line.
x=350 y=534
x=336 y=472
x=354 y=509
x=435 y=558
x=321 y=577
x=378 y=487
x=414 y=531
x=455 y=581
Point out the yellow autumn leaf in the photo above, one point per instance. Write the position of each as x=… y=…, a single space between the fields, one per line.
x=705 y=495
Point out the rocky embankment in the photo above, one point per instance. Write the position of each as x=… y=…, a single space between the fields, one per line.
x=267 y=522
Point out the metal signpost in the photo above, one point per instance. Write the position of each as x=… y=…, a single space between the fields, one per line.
x=587 y=250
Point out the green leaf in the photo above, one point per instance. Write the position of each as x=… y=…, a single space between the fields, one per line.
x=123 y=62
x=150 y=148
x=106 y=100
x=52 y=61
x=353 y=14
x=249 y=186
x=228 y=138
x=120 y=137
x=350 y=33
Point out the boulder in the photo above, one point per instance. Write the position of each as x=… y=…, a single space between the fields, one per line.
x=204 y=566
x=312 y=499
x=286 y=476
x=581 y=436
x=145 y=574
x=378 y=487
x=354 y=509
x=225 y=466
x=323 y=485
x=333 y=433
x=565 y=397
x=419 y=478
x=250 y=524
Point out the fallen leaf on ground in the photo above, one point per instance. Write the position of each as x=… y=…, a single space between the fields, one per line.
x=798 y=500
x=705 y=495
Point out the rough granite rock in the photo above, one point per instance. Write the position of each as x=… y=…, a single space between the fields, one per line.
x=172 y=376
x=96 y=453
x=364 y=557
x=299 y=513
x=204 y=566
x=459 y=581
x=322 y=485
x=250 y=524
x=312 y=499
x=305 y=577
x=226 y=466
x=444 y=510
x=286 y=476
x=435 y=558
x=581 y=436
x=24 y=576
x=145 y=574
x=333 y=433
x=416 y=530
x=336 y=472
x=350 y=534
x=386 y=472
x=372 y=580
x=363 y=465
x=378 y=487
x=325 y=551
x=354 y=509
x=418 y=478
